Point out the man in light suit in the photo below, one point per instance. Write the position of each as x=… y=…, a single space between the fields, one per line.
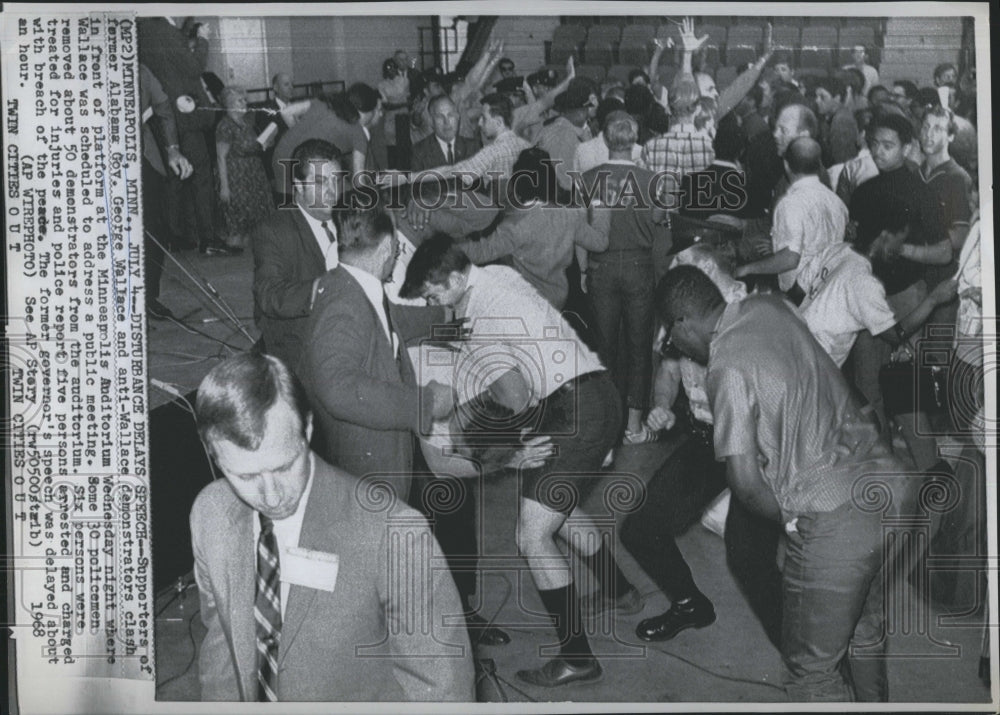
x=343 y=597
x=433 y=151
x=355 y=367
x=293 y=248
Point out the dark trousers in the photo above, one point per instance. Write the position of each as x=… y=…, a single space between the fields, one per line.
x=751 y=553
x=154 y=221
x=620 y=286
x=692 y=477
x=192 y=201
x=451 y=511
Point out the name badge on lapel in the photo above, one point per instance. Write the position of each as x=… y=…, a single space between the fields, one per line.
x=312 y=569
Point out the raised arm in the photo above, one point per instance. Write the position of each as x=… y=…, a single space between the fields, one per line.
x=691 y=44
x=741 y=86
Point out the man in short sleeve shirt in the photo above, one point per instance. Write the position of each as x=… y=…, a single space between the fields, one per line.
x=795 y=445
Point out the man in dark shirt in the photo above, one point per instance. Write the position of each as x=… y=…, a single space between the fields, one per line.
x=896 y=189
x=896 y=183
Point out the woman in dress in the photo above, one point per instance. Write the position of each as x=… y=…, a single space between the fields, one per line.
x=244 y=192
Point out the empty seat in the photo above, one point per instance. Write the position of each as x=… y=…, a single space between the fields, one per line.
x=599 y=53
x=621 y=72
x=815 y=58
x=602 y=41
x=566 y=42
x=635 y=53
x=596 y=73
x=716 y=34
x=786 y=37
x=604 y=33
x=637 y=44
x=744 y=35
x=820 y=36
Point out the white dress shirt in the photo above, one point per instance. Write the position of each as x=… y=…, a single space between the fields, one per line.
x=327 y=247
x=287 y=532
x=374 y=291
x=444 y=147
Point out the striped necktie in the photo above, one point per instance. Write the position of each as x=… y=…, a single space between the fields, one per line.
x=267 y=612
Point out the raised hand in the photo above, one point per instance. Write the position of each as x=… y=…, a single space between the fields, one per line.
x=570 y=68
x=689 y=41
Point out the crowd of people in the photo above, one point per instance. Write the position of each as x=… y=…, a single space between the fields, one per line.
x=751 y=269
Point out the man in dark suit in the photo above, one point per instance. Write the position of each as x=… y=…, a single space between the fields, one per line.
x=293 y=248
x=355 y=367
x=444 y=146
x=338 y=612
x=163 y=48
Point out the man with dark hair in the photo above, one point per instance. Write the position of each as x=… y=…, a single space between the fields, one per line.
x=294 y=247
x=445 y=146
x=808 y=218
x=563 y=386
x=324 y=618
x=782 y=410
x=562 y=135
x=838 y=133
x=355 y=365
x=896 y=184
x=368 y=103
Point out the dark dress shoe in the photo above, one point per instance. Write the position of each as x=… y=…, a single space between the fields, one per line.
x=482 y=633
x=560 y=671
x=157 y=310
x=693 y=613
x=220 y=249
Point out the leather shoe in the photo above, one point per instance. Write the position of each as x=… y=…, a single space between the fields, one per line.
x=158 y=311
x=220 y=249
x=627 y=604
x=693 y=613
x=560 y=671
x=482 y=633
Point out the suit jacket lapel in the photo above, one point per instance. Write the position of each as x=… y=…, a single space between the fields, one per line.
x=306 y=236
x=242 y=586
x=314 y=535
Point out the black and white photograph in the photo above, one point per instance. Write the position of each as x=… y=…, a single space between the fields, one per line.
x=529 y=361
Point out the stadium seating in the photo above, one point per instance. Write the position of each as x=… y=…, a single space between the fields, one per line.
x=613 y=45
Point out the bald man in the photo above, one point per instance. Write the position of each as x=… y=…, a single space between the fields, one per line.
x=808 y=219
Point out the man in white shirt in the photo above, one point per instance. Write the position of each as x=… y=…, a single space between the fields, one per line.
x=859 y=55
x=300 y=587
x=524 y=356
x=808 y=218
x=294 y=247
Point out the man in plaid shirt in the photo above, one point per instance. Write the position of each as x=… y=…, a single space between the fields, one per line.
x=683 y=149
